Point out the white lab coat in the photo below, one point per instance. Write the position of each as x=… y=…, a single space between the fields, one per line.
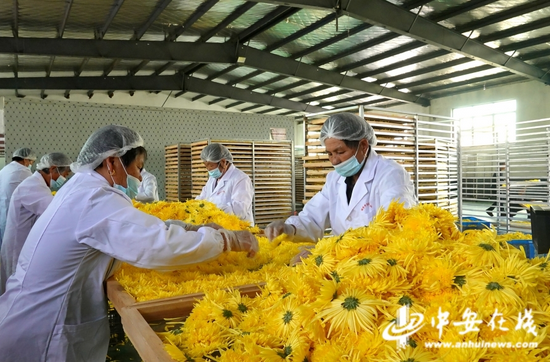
x=233 y=194
x=29 y=200
x=10 y=177
x=148 y=189
x=381 y=181
x=54 y=307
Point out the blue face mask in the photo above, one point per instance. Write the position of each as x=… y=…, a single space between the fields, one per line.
x=215 y=173
x=350 y=166
x=55 y=185
x=132 y=184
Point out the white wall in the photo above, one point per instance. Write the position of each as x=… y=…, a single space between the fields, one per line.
x=48 y=126
x=533 y=100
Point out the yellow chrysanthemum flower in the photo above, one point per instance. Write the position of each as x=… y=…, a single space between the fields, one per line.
x=353 y=310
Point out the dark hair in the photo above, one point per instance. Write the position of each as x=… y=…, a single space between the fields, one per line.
x=131 y=155
x=45 y=170
x=352 y=144
x=62 y=169
x=17 y=159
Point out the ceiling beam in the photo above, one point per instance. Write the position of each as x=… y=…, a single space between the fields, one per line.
x=159 y=8
x=61 y=29
x=251 y=107
x=524 y=28
x=110 y=17
x=121 y=49
x=401 y=21
x=200 y=11
x=431 y=89
x=504 y=15
x=191 y=68
x=207 y=52
x=274 y=17
x=276 y=64
x=172 y=82
x=234 y=104
x=324 y=21
x=198 y=52
x=15 y=17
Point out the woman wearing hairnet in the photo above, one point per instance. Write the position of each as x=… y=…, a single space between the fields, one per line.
x=29 y=200
x=54 y=307
x=228 y=187
x=363 y=182
x=10 y=177
x=148 y=189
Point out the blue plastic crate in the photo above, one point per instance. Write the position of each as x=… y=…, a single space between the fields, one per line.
x=474 y=223
x=528 y=246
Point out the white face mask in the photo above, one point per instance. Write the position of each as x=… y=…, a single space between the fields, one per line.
x=55 y=185
x=132 y=184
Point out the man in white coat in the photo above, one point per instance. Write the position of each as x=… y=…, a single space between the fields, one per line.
x=29 y=200
x=54 y=307
x=363 y=183
x=10 y=177
x=228 y=187
x=148 y=189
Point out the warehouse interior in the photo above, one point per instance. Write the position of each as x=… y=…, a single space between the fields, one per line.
x=456 y=91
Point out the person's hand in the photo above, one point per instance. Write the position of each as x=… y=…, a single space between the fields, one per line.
x=277 y=228
x=186 y=226
x=304 y=253
x=241 y=241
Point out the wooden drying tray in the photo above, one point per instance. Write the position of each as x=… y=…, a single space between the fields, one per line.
x=135 y=316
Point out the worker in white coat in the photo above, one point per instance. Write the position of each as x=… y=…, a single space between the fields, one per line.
x=148 y=189
x=227 y=187
x=10 y=177
x=54 y=307
x=29 y=200
x=363 y=183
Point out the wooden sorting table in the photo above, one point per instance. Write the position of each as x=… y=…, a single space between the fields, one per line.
x=136 y=316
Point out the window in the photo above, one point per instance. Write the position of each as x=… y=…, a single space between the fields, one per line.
x=487 y=124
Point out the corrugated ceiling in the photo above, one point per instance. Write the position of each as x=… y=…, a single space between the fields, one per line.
x=305 y=59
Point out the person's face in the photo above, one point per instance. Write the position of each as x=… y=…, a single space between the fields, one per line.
x=27 y=163
x=338 y=152
x=222 y=165
x=119 y=176
x=54 y=171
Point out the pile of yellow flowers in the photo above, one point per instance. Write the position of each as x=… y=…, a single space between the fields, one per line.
x=228 y=270
x=409 y=287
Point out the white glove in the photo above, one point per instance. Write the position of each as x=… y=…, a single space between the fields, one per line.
x=186 y=226
x=240 y=241
x=279 y=227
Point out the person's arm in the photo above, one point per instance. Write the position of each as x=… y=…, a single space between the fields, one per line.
x=37 y=201
x=202 y=195
x=242 y=194
x=119 y=230
x=397 y=186
x=312 y=221
x=149 y=186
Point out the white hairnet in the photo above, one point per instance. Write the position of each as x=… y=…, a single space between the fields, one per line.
x=348 y=127
x=54 y=159
x=25 y=153
x=106 y=142
x=215 y=152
